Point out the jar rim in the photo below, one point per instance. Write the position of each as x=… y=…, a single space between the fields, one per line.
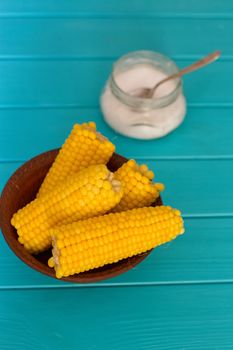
x=135 y=101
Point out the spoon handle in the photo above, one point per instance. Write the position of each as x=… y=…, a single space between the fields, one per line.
x=197 y=65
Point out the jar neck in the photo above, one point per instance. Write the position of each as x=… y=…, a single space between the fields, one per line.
x=155 y=60
x=140 y=102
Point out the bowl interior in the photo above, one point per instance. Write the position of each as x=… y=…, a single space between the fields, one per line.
x=20 y=189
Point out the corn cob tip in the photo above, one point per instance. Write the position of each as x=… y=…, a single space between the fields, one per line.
x=89 y=129
x=140 y=169
x=91 y=125
x=84 y=147
x=139 y=189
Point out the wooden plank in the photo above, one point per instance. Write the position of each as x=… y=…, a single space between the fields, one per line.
x=181 y=317
x=79 y=83
x=106 y=36
x=202 y=254
x=201 y=135
x=197 y=187
x=105 y=7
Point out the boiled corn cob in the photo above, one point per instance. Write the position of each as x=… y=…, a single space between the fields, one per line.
x=139 y=190
x=84 y=147
x=92 y=243
x=92 y=191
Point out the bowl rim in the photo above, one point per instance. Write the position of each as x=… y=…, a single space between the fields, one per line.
x=95 y=275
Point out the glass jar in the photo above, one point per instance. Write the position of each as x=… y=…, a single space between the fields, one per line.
x=138 y=117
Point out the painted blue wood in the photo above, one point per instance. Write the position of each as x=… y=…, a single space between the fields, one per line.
x=177 y=317
x=206 y=132
x=209 y=259
x=107 y=36
x=54 y=60
x=120 y=7
x=197 y=187
x=79 y=83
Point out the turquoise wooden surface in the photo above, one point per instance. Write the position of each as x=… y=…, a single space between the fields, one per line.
x=84 y=8
x=92 y=35
x=77 y=83
x=190 y=141
x=54 y=59
x=119 y=318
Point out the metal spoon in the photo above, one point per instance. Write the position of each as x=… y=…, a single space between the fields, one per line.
x=149 y=92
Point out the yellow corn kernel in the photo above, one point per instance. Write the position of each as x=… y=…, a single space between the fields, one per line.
x=84 y=147
x=102 y=240
x=139 y=190
x=51 y=262
x=74 y=199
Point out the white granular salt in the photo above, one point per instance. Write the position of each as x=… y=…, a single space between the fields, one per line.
x=147 y=122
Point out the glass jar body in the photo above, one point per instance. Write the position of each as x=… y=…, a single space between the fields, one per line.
x=139 y=117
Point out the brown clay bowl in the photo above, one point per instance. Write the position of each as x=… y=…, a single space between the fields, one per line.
x=20 y=189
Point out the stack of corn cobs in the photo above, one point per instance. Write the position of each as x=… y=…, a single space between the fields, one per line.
x=90 y=216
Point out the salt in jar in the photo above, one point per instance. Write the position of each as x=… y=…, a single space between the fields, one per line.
x=139 y=117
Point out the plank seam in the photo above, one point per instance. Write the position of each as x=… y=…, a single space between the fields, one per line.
x=206 y=105
x=118 y=15
x=56 y=57
x=110 y=285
